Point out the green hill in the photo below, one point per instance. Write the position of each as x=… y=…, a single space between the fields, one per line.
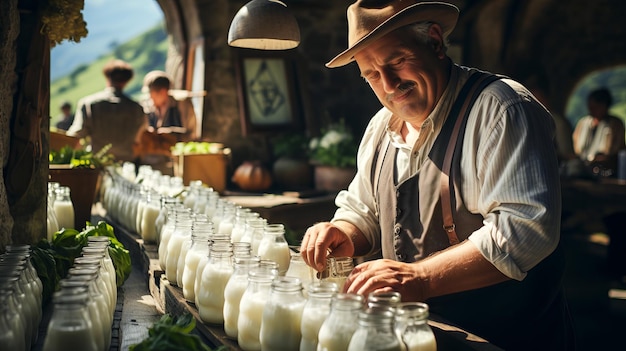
x=145 y=53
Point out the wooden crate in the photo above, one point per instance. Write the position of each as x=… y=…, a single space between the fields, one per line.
x=209 y=168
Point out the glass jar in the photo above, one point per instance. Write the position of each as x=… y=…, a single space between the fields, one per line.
x=210 y=296
x=337 y=270
x=70 y=326
x=52 y=224
x=14 y=313
x=298 y=268
x=388 y=299
x=315 y=311
x=166 y=205
x=273 y=246
x=200 y=233
x=251 y=307
x=193 y=194
x=411 y=326
x=375 y=331
x=63 y=207
x=254 y=233
x=182 y=232
x=9 y=338
x=168 y=230
x=199 y=222
x=149 y=214
x=25 y=303
x=282 y=315
x=234 y=290
x=100 y=300
x=241 y=214
x=336 y=331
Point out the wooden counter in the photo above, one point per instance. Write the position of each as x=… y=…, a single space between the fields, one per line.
x=169 y=299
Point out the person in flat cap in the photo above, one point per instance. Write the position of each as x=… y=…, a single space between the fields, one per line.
x=456 y=201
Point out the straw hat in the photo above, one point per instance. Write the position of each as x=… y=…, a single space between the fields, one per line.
x=369 y=20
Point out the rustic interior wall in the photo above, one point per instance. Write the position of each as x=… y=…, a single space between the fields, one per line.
x=9 y=30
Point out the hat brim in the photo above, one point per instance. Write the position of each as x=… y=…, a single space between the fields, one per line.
x=446 y=15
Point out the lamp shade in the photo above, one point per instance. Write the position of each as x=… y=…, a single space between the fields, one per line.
x=264 y=25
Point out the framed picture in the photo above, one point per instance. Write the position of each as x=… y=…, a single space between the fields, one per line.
x=267 y=92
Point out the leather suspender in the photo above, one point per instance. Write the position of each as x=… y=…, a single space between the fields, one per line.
x=472 y=88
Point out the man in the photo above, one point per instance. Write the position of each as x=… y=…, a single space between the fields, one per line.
x=496 y=268
x=111 y=117
x=170 y=121
x=599 y=136
x=67 y=117
x=166 y=114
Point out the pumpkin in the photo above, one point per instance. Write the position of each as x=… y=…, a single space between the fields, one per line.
x=252 y=176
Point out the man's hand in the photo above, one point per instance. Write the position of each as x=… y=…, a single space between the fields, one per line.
x=387 y=275
x=322 y=239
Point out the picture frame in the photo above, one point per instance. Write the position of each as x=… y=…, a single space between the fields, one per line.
x=267 y=92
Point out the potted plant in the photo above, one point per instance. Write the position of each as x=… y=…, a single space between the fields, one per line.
x=80 y=170
x=334 y=156
x=291 y=168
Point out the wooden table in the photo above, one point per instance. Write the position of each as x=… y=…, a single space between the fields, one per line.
x=169 y=299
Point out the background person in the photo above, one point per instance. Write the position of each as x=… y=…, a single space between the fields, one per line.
x=110 y=116
x=170 y=121
x=503 y=279
x=67 y=116
x=599 y=136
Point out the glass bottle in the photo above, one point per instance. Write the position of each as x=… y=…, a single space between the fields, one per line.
x=210 y=296
x=70 y=326
x=25 y=303
x=315 y=311
x=298 y=268
x=337 y=270
x=336 y=331
x=149 y=214
x=63 y=207
x=52 y=224
x=251 y=307
x=193 y=194
x=97 y=297
x=167 y=230
x=375 y=331
x=273 y=246
x=234 y=290
x=239 y=226
x=200 y=233
x=388 y=299
x=14 y=315
x=167 y=204
x=253 y=233
x=282 y=315
x=227 y=220
x=182 y=231
x=8 y=336
x=411 y=325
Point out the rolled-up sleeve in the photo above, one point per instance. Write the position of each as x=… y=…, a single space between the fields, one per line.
x=510 y=176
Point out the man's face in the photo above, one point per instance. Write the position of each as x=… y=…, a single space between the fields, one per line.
x=159 y=96
x=597 y=109
x=407 y=76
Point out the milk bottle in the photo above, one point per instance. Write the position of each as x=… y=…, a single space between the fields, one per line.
x=251 y=307
x=282 y=315
x=182 y=231
x=241 y=213
x=375 y=331
x=315 y=311
x=234 y=290
x=63 y=208
x=149 y=214
x=273 y=246
x=411 y=325
x=200 y=233
x=70 y=326
x=336 y=331
x=210 y=296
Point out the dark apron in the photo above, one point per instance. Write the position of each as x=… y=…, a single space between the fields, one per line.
x=517 y=315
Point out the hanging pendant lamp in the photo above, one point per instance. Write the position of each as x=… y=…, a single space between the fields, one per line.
x=264 y=25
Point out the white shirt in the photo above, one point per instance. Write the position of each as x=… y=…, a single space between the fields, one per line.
x=509 y=172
